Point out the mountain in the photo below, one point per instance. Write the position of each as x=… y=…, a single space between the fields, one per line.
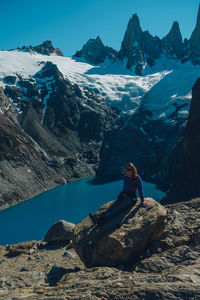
x=91 y=119
x=140 y=49
x=55 y=128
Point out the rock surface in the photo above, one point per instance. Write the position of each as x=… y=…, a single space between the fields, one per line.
x=61 y=231
x=169 y=269
x=186 y=185
x=123 y=238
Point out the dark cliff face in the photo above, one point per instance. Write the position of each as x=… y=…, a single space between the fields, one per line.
x=186 y=185
x=194 y=42
x=151 y=145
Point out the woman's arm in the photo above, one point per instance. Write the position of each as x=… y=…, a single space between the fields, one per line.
x=140 y=190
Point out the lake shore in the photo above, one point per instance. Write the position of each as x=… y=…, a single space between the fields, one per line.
x=72 y=202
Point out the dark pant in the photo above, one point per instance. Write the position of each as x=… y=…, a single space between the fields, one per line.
x=123 y=201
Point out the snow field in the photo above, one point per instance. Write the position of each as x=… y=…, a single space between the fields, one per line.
x=162 y=88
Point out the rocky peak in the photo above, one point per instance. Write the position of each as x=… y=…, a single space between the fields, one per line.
x=49 y=70
x=195 y=42
x=95 y=43
x=174 y=34
x=172 y=42
x=95 y=52
x=132 y=37
x=46 y=48
x=197 y=28
x=131 y=45
x=140 y=47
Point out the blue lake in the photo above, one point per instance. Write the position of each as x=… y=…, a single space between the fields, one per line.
x=30 y=220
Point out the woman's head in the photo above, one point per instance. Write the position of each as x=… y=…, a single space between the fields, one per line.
x=131 y=170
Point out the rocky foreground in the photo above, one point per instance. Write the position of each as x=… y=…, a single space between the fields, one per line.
x=168 y=269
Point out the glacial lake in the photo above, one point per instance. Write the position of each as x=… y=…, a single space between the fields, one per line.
x=30 y=220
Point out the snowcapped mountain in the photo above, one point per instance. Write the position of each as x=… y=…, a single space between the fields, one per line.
x=113 y=82
x=93 y=112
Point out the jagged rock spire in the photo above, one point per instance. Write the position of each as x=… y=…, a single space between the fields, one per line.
x=195 y=41
x=131 y=43
x=198 y=18
x=196 y=33
x=132 y=37
x=174 y=33
x=172 y=42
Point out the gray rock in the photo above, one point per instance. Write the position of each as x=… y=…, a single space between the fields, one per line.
x=61 y=231
x=121 y=239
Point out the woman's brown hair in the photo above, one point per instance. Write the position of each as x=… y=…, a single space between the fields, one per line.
x=134 y=174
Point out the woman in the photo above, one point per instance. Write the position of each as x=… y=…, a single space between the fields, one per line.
x=132 y=183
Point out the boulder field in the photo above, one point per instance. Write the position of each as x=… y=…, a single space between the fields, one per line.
x=169 y=267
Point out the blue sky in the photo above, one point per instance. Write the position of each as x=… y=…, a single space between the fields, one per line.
x=70 y=23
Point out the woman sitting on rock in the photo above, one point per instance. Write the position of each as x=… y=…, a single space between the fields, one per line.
x=132 y=183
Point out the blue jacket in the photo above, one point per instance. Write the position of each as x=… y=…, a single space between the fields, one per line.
x=128 y=186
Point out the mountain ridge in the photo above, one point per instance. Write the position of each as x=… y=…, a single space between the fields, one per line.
x=141 y=48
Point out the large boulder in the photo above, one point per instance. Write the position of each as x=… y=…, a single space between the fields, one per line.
x=122 y=239
x=61 y=231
